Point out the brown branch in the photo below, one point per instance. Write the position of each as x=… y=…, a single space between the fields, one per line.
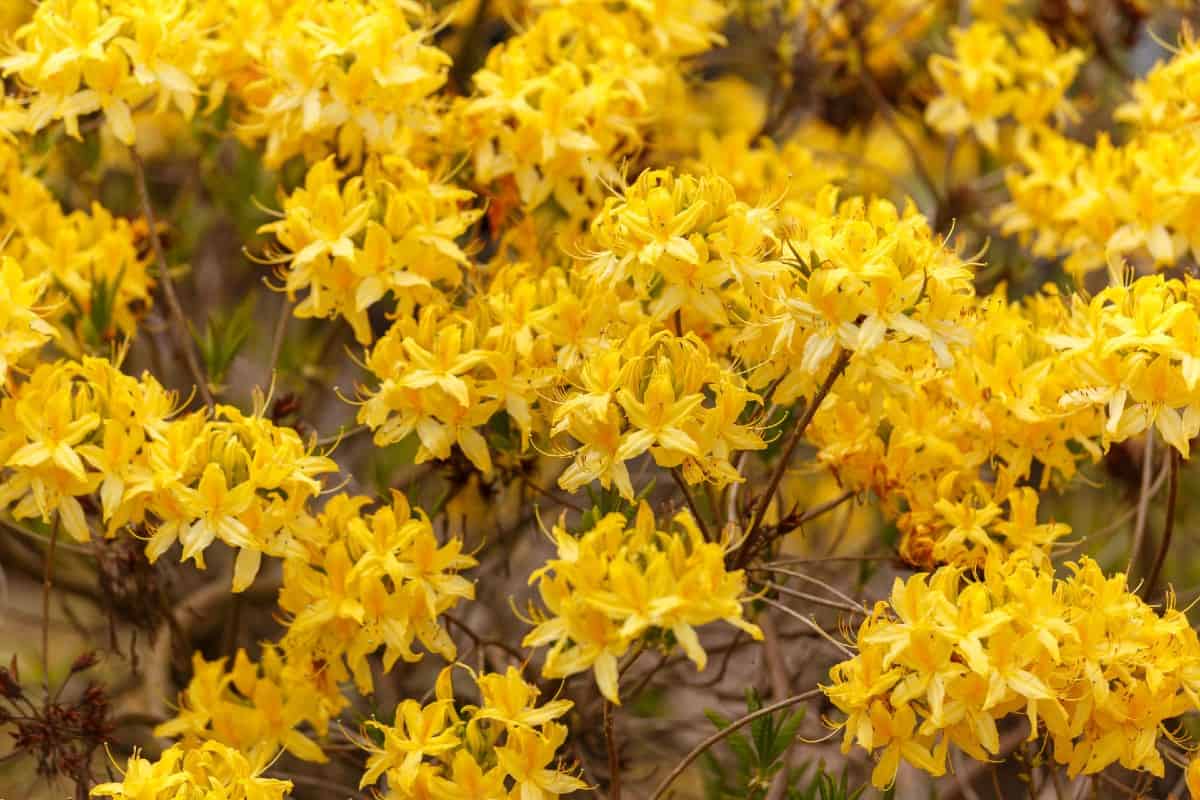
x=14 y=553
x=691 y=502
x=766 y=411
x=650 y=673
x=823 y=508
x=614 y=758
x=466 y=60
x=481 y=642
x=750 y=543
x=791 y=523
x=725 y=659
x=571 y=504
x=181 y=328
x=1168 y=527
x=699 y=749
x=47 y=586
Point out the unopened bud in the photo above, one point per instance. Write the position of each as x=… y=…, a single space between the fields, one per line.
x=9 y=688
x=85 y=661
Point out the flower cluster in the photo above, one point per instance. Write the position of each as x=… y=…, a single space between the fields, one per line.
x=84 y=429
x=97 y=286
x=858 y=275
x=1091 y=666
x=760 y=168
x=616 y=586
x=691 y=234
x=1097 y=205
x=254 y=709
x=596 y=235
x=951 y=455
x=391 y=231
x=558 y=107
x=211 y=771
x=76 y=57
x=994 y=75
x=1134 y=354
x=361 y=581
x=655 y=393
x=507 y=746
x=319 y=78
x=433 y=384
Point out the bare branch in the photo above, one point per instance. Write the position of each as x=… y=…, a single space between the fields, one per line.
x=182 y=335
x=699 y=749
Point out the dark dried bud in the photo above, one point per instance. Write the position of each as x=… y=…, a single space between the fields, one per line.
x=285 y=406
x=85 y=661
x=9 y=688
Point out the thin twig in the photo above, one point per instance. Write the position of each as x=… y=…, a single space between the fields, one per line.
x=1126 y=515
x=812 y=623
x=720 y=676
x=788 y=525
x=699 y=749
x=823 y=508
x=830 y=559
x=614 y=758
x=342 y=435
x=181 y=328
x=1168 y=527
x=1143 y=506
x=34 y=536
x=764 y=415
x=650 y=673
x=816 y=599
x=750 y=543
x=47 y=585
x=691 y=501
x=571 y=504
x=816 y=582
x=480 y=641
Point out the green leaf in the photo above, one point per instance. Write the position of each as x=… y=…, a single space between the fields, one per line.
x=224 y=337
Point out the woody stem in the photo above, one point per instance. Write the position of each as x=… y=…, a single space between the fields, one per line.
x=750 y=544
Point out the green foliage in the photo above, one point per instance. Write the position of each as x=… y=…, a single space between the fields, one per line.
x=97 y=322
x=223 y=338
x=760 y=755
x=606 y=501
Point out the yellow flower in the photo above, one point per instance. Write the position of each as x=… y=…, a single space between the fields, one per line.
x=23 y=328
x=527 y=757
x=1093 y=667
x=615 y=586
x=144 y=780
